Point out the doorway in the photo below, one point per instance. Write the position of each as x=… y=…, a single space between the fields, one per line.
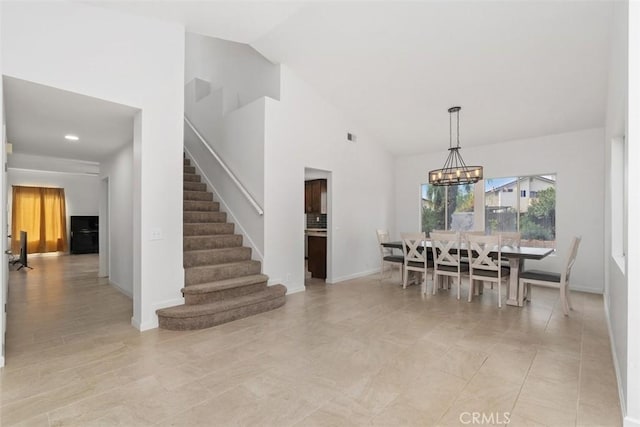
x=78 y=139
x=317 y=226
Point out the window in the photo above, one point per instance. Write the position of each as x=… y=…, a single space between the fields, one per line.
x=447 y=208
x=41 y=212
x=534 y=217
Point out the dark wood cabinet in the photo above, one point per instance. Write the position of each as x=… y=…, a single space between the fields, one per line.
x=315 y=193
x=317 y=261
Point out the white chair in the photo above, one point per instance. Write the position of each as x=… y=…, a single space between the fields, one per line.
x=483 y=266
x=472 y=233
x=446 y=258
x=386 y=254
x=510 y=238
x=415 y=257
x=551 y=279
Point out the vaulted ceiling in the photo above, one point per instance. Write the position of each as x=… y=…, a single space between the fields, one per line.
x=518 y=68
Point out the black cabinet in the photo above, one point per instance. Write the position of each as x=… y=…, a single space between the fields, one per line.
x=84 y=235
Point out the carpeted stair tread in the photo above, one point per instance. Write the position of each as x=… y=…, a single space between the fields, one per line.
x=197 y=195
x=215 y=256
x=219 y=285
x=207 y=228
x=184 y=311
x=204 y=216
x=189 y=169
x=191 y=177
x=191 y=317
x=210 y=273
x=194 y=186
x=198 y=205
x=186 y=162
x=211 y=242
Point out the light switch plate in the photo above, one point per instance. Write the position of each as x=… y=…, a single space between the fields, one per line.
x=156 y=234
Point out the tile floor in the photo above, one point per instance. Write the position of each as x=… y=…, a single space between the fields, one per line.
x=362 y=352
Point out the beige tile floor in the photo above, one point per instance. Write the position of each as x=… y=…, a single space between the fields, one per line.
x=359 y=352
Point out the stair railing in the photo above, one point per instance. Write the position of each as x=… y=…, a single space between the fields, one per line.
x=229 y=172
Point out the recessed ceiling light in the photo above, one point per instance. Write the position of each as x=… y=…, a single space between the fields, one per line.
x=71 y=138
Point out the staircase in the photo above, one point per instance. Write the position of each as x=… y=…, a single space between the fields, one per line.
x=222 y=282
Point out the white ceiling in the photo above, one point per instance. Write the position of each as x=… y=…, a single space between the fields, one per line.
x=518 y=68
x=38 y=117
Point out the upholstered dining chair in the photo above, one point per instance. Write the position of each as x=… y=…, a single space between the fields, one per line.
x=483 y=266
x=552 y=279
x=416 y=257
x=387 y=257
x=446 y=258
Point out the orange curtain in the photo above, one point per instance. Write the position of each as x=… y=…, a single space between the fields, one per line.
x=42 y=213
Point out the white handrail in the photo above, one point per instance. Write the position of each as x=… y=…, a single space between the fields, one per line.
x=235 y=180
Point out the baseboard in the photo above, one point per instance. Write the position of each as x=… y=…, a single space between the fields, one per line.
x=354 y=276
x=135 y=323
x=616 y=367
x=296 y=290
x=120 y=289
x=152 y=324
x=587 y=290
x=144 y=326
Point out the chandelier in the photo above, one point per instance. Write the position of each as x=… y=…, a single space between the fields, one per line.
x=455 y=171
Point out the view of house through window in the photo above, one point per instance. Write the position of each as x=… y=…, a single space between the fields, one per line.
x=526 y=204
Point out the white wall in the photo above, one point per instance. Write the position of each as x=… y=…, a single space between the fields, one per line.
x=80 y=190
x=237 y=73
x=228 y=110
x=241 y=147
x=576 y=158
x=615 y=292
x=303 y=130
x=133 y=61
x=118 y=169
x=633 y=213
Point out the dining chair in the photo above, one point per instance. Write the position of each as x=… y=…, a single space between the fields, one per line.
x=552 y=279
x=472 y=233
x=386 y=254
x=485 y=264
x=510 y=238
x=446 y=258
x=416 y=258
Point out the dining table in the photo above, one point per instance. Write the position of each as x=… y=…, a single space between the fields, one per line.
x=516 y=255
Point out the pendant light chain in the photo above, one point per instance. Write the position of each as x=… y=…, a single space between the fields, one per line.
x=455 y=171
